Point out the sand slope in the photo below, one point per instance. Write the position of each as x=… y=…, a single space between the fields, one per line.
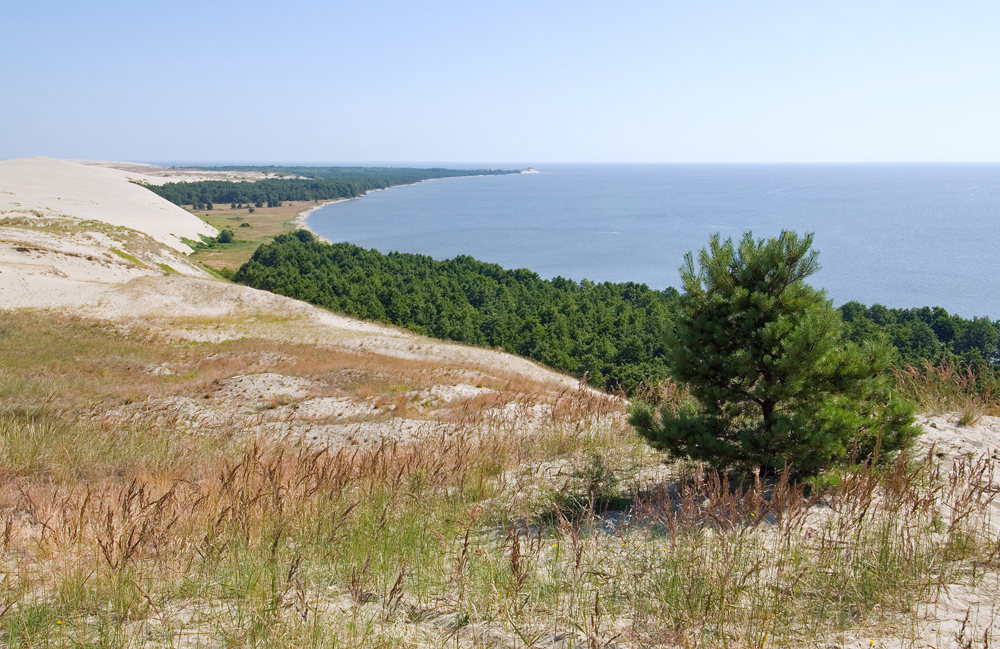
x=44 y=187
x=69 y=232
x=82 y=238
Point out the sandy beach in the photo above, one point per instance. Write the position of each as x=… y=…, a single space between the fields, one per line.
x=301 y=223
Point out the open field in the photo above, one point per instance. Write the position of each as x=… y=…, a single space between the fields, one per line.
x=262 y=226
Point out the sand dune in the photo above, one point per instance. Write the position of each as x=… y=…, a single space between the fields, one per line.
x=69 y=232
x=83 y=238
x=44 y=187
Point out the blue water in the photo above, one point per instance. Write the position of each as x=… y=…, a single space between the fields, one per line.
x=900 y=235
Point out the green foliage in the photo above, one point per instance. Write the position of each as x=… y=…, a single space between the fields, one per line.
x=764 y=357
x=612 y=333
x=227 y=274
x=927 y=335
x=314 y=183
x=226 y=236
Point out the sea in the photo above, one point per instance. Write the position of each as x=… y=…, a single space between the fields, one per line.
x=901 y=235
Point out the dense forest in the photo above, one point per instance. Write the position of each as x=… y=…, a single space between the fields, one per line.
x=927 y=334
x=306 y=184
x=610 y=332
x=615 y=334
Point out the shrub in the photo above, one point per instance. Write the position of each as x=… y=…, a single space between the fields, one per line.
x=773 y=381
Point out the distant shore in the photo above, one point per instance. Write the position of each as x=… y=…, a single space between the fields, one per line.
x=300 y=220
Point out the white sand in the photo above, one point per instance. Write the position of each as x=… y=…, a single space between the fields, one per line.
x=155 y=175
x=43 y=187
x=69 y=233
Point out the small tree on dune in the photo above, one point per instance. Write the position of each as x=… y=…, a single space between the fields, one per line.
x=772 y=379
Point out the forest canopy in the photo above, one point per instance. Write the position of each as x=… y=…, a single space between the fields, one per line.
x=609 y=332
x=305 y=184
x=614 y=333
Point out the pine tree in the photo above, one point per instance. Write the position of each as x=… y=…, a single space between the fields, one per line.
x=773 y=380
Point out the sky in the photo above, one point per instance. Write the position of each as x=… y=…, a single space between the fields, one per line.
x=475 y=82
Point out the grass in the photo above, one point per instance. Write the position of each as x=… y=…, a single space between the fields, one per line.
x=948 y=388
x=126 y=530
x=128 y=257
x=265 y=223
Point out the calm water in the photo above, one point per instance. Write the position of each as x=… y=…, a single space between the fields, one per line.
x=900 y=235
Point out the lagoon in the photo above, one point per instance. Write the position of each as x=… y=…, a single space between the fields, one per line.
x=902 y=235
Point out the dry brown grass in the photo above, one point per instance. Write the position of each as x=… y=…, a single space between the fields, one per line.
x=948 y=388
x=528 y=518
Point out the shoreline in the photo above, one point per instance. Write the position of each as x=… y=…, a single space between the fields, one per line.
x=300 y=219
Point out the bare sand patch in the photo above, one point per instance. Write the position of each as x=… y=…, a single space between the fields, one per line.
x=45 y=187
x=158 y=175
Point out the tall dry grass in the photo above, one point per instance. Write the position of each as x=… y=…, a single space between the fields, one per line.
x=938 y=389
x=427 y=542
x=530 y=519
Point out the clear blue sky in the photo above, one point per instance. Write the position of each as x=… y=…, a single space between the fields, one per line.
x=299 y=80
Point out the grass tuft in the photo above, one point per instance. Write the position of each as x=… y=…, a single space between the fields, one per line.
x=528 y=517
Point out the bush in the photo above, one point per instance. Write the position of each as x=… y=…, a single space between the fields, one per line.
x=773 y=381
x=226 y=236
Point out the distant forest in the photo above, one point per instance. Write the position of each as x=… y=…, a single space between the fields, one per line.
x=927 y=334
x=614 y=334
x=307 y=184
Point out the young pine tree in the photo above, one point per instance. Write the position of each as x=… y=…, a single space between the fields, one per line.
x=773 y=379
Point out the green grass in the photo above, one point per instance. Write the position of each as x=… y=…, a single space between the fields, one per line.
x=128 y=257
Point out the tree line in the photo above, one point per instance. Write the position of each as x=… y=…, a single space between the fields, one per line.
x=927 y=335
x=615 y=334
x=608 y=332
x=309 y=184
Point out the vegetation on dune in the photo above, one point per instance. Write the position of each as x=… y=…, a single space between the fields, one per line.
x=614 y=334
x=611 y=333
x=774 y=383
x=131 y=530
x=319 y=183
